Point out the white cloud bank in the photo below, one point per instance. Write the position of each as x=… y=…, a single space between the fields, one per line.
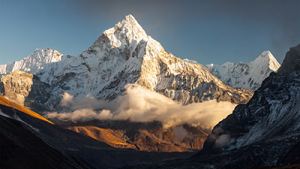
x=140 y=104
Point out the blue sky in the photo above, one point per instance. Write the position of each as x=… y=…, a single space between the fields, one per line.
x=212 y=31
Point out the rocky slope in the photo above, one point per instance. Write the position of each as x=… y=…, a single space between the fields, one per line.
x=149 y=136
x=269 y=123
x=291 y=61
x=121 y=55
x=246 y=75
x=21 y=148
x=264 y=132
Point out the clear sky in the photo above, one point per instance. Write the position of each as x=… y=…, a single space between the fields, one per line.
x=211 y=31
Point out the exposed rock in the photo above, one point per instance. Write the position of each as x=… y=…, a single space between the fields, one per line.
x=26 y=89
x=268 y=123
x=140 y=136
x=291 y=61
x=263 y=132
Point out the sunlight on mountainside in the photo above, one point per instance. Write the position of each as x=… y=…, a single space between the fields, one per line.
x=11 y=104
x=105 y=135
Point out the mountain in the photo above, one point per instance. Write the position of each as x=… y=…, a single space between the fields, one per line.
x=150 y=137
x=121 y=55
x=246 y=75
x=38 y=60
x=268 y=123
x=291 y=61
x=263 y=133
x=28 y=141
x=5 y=102
x=21 y=148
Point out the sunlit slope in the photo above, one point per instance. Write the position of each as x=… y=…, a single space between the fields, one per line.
x=5 y=102
x=112 y=138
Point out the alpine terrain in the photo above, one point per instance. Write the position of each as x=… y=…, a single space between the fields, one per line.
x=246 y=75
x=263 y=132
x=127 y=103
x=121 y=55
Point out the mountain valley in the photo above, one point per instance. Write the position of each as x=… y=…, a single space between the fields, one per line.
x=127 y=103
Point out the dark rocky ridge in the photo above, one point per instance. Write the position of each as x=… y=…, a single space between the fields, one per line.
x=291 y=61
x=21 y=148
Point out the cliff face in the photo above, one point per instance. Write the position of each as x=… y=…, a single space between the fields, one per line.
x=27 y=90
x=17 y=86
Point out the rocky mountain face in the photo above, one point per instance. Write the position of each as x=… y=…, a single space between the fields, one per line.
x=27 y=90
x=269 y=123
x=263 y=132
x=246 y=75
x=291 y=61
x=121 y=55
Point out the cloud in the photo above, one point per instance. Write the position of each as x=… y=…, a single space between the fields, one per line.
x=222 y=140
x=180 y=133
x=140 y=104
x=218 y=137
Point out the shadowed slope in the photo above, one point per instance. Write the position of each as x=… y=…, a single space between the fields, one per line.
x=22 y=149
x=5 y=102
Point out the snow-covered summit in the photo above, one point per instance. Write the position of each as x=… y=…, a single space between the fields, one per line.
x=126 y=54
x=38 y=60
x=190 y=61
x=125 y=34
x=268 y=59
x=246 y=75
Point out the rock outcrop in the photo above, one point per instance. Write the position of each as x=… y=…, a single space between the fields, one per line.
x=291 y=61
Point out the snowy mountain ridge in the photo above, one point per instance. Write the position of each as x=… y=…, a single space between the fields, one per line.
x=38 y=60
x=266 y=130
x=246 y=75
x=126 y=54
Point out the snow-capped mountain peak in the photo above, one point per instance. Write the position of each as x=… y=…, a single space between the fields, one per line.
x=266 y=57
x=38 y=60
x=125 y=54
x=246 y=75
x=127 y=32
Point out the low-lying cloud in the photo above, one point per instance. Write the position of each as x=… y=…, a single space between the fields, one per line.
x=140 y=104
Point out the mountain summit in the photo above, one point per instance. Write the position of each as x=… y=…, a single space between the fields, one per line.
x=125 y=54
x=246 y=75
